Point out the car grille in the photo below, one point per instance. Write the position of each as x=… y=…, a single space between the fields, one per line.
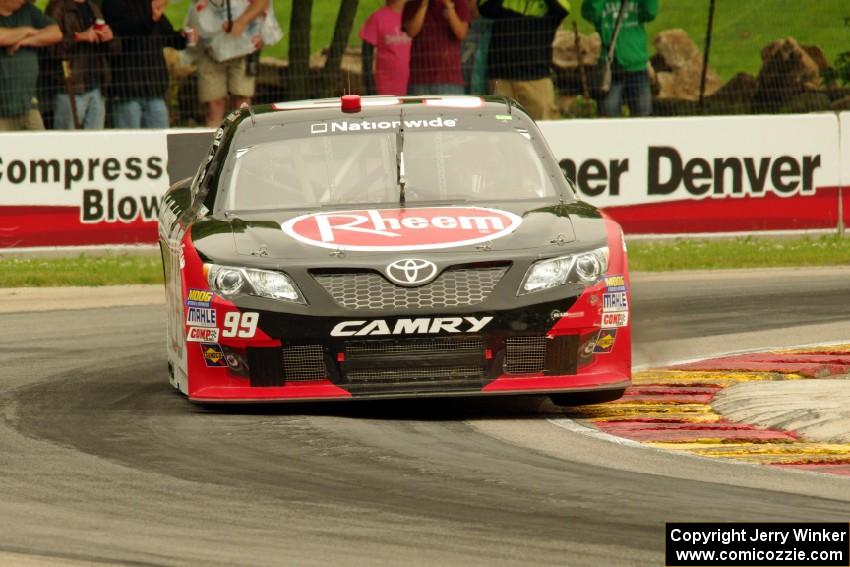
x=418 y=364
x=414 y=346
x=455 y=287
x=432 y=376
x=525 y=354
x=304 y=363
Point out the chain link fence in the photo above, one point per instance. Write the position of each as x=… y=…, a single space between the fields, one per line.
x=766 y=56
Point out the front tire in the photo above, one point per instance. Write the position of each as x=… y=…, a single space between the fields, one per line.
x=586 y=398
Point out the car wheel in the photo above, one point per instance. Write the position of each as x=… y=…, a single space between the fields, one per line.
x=586 y=398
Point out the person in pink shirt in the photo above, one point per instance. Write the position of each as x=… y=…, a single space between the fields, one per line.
x=382 y=31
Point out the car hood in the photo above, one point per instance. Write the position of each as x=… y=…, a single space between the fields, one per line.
x=388 y=232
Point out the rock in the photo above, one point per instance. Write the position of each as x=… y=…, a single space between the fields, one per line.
x=817 y=55
x=678 y=65
x=841 y=104
x=564 y=49
x=807 y=102
x=787 y=70
x=739 y=88
x=836 y=92
x=273 y=78
x=674 y=107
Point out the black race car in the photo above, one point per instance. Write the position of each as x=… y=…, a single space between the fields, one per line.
x=390 y=247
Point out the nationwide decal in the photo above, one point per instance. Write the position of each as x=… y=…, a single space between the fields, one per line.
x=342 y=126
x=615 y=283
x=201 y=317
x=419 y=326
x=387 y=230
x=202 y=335
x=615 y=319
x=617 y=301
x=605 y=341
x=213 y=355
x=199 y=298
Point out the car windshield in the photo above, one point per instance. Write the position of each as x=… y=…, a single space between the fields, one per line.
x=440 y=165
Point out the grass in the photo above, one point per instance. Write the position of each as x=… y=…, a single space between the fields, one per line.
x=741 y=27
x=115 y=269
x=746 y=252
x=82 y=270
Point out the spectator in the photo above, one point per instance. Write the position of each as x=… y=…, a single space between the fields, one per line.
x=630 y=79
x=86 y=41
x=23 y=29
x=519 y=61
x=139 y=74
x=383 y=31
x=437 y=28
x=225 y=84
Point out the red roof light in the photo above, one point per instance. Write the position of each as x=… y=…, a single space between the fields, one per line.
x=351 y=103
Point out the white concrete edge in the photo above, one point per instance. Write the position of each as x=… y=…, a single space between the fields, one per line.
x=96 y=249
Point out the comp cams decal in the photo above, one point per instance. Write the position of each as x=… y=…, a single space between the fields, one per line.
x=202 y=335
x=616 y=319
x=387 y=230
x=421 y=325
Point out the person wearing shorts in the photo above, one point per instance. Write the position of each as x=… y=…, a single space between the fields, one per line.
x=226 y=85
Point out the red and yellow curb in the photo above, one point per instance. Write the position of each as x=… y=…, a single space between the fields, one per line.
x=671 y=409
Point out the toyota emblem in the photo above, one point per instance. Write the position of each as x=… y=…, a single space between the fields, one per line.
x=411 y=271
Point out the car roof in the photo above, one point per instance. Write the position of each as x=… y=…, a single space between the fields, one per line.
x=331 y=108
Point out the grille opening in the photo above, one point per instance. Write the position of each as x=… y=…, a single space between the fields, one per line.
x=369 y=290
x=423 y=375
x=304 y=363
x=525 y=354
x=428 y=362
x=415 y=346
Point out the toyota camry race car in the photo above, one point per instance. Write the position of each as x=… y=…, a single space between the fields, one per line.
x=390 y=247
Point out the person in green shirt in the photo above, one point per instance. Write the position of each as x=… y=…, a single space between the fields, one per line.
x=23 y=28
x=630 y=79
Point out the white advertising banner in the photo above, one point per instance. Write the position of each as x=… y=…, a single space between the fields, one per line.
x=705 y=174
x=844 y=133
x=76 y=188
x=653 y=175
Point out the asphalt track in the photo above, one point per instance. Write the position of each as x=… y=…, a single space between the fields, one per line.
x=100 y=462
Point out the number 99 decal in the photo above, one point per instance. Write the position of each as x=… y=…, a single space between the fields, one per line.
x=241 y=325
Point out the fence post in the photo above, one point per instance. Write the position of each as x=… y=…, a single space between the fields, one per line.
x=706 y=51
